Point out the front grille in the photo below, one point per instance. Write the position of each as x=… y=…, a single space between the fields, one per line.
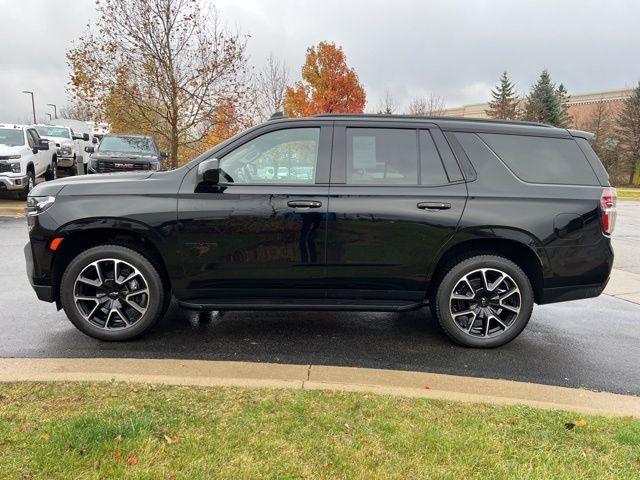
x=5 y=167
x=120 y=166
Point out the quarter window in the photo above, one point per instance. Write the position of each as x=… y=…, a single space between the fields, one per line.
x=279 y=157
x=542 y=159
x=382 y=156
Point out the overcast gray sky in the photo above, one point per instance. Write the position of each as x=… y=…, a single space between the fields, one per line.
x=455 y=49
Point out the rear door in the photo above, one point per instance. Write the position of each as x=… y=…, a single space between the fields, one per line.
x=396 y=196
x=260 y=233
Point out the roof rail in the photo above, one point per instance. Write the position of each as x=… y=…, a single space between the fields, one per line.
x=432 y=118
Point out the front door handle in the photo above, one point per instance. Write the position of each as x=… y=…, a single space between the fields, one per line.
x=304 y=204
x=434 y=206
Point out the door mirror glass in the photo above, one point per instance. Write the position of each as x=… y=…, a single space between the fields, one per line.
x=43 y=145
x=209 y=171
x=85 y=137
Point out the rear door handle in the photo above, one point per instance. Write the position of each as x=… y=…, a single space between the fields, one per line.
x=304 y=204
x=434 y=206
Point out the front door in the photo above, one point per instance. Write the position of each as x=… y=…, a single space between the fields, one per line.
x=392 y=206
x=261 y=232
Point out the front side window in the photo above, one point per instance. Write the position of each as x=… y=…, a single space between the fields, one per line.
x=34 y=140
x=11 y=137
x=279 y=157
x=383 y=156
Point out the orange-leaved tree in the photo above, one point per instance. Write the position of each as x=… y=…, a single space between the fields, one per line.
x=328 y=85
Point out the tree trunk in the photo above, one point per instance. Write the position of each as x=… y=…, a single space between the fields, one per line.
x=634 y=169
x=173 y=154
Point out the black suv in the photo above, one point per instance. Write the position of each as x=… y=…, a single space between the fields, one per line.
x=118 y=153
x=476 y=219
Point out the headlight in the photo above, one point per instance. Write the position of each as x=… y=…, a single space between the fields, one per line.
x=15 y=167
x=37 y=205
x=14 y=157
x=65 y=150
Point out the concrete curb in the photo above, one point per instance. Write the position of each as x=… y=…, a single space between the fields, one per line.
x=316 y=377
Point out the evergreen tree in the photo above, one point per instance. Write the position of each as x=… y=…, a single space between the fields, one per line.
x=543 y=104
x=505 y=100
x=565 y=120
x=629 y=131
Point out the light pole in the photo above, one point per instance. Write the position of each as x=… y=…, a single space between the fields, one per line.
x=55 y=109
x=33 y=104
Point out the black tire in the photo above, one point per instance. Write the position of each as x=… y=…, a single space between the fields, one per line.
x=157 y=296
x=31 y=182
x=442 y=301
x=52 y=171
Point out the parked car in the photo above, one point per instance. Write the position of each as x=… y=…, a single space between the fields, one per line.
x=118 y=153
x=82 y=137
x=66 y=145
x=24 y=157
x=477 y=219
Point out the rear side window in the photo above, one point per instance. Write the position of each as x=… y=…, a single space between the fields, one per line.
x=386 y=156
x=542 y=159
x=431 y=168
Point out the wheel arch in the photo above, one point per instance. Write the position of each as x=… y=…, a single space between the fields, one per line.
x=531 y=259
x=79 y=237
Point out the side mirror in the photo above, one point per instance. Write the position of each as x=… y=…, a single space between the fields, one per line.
x=89 y=149
x=95 y=140
x=209 y=171
x=85 y=137
x=75 y=136
x=163 y=155
x=43 y=145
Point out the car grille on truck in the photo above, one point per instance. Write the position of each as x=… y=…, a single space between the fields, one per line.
x=120 y=166
x=5 y=167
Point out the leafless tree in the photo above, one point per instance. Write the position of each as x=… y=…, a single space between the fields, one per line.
x=427 y=106
x=271 y=85
x=387 y=105
x=166 y=64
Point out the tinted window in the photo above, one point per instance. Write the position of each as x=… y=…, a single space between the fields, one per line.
x=382 y=156
x=283 y=156
x=595 y=162
x=431 y=169
x=33 y=138
x=542 y=159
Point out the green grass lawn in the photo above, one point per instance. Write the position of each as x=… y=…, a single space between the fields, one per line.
x=98 y=430
x=629 y=193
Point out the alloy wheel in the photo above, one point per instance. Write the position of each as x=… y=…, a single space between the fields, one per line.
x=111 y=294
x=485 y=302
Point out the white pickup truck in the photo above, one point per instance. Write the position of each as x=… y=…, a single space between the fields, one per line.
x=69 y=146
x=24 y=157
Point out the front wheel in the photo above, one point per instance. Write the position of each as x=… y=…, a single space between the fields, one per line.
x=484 y=301
x=31 y=183
x=52 y=171
x=113 y=293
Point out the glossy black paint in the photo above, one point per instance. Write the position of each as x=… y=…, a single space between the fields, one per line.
x=329 y=245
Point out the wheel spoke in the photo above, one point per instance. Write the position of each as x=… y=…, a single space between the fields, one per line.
x=508 y=294
x=458 y=296
x=466 y=312
x=135 y=306
x=510 y=308
x=495 y=284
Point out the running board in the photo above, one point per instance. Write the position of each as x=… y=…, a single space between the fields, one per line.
x=302 y=304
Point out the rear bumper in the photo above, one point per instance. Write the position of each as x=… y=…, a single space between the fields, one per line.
x=13 y=183
x=565 y=294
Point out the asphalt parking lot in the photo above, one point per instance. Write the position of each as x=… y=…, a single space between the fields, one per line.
x=591 y=343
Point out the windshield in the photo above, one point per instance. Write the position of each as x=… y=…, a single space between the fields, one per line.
x=11 y=137
x=142 y=145
x=60 y=132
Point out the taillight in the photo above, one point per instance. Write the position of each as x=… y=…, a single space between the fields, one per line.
x=608 y=209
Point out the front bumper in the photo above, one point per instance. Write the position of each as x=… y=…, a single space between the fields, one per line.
x=65 y=162
x=45 y=293
x=13 y=183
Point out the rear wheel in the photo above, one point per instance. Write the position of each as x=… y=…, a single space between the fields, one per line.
x=111 y=292
x=52 y=171
x=484 y=301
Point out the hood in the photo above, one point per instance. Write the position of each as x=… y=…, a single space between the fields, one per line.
x=60 y=140
x=84 y=184
x=6 y=150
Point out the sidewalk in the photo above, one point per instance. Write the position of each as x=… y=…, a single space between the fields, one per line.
x=318 y=377
x=624 y=285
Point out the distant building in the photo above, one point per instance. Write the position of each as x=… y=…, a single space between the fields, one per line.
x=581 y=106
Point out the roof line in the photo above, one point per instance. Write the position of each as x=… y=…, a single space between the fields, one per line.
x=434 y=118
